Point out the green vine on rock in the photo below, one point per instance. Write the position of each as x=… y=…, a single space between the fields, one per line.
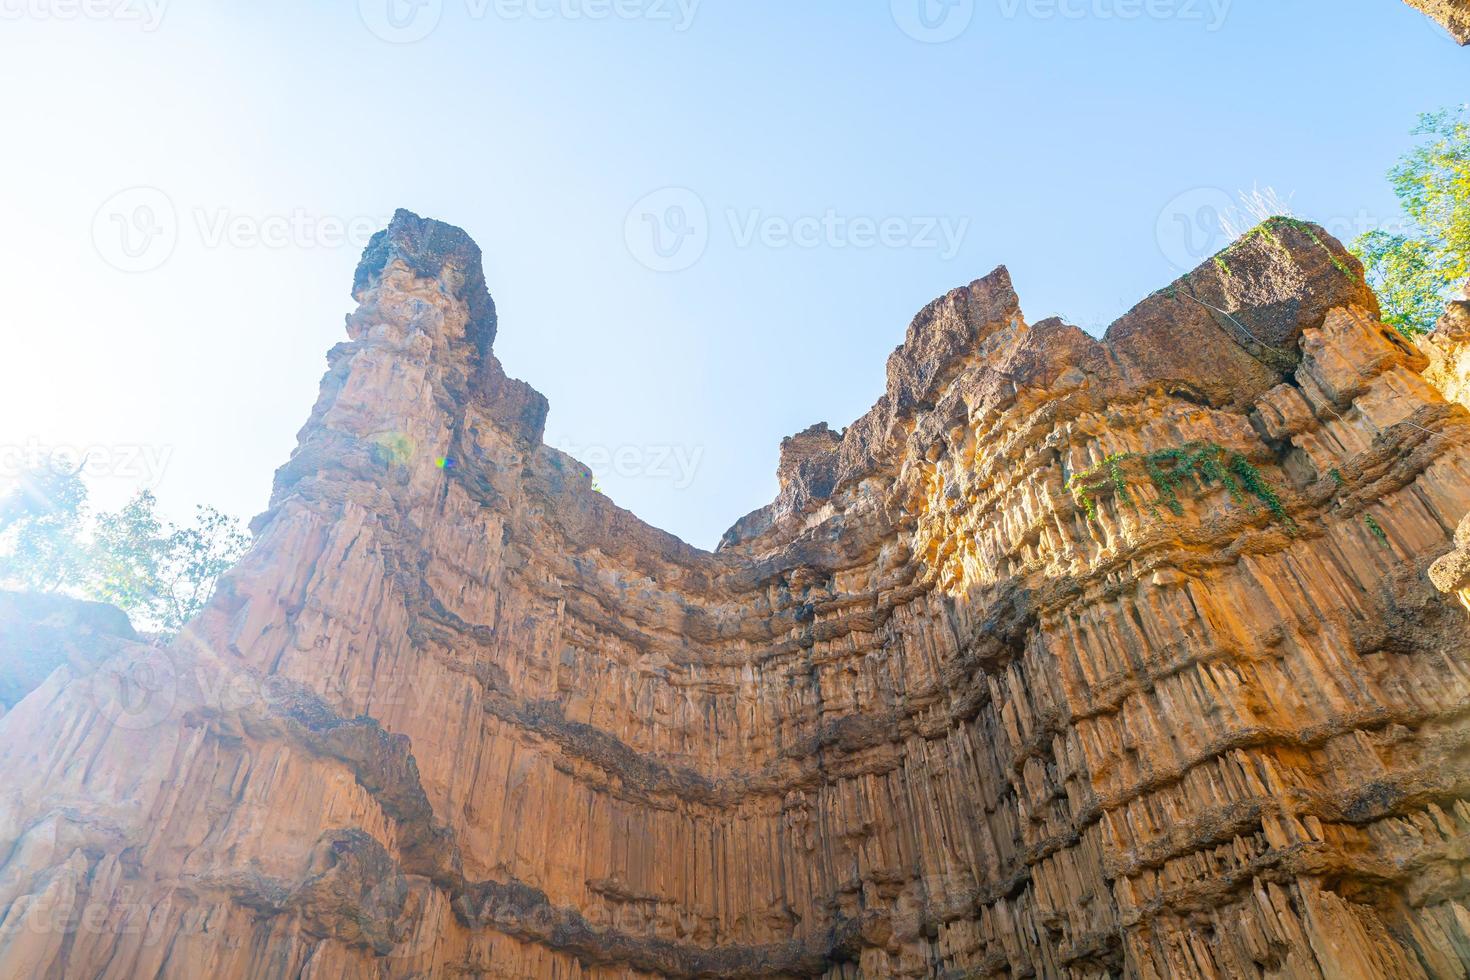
x=1202 y=463
x=1256 y=485
x=1110 y=472
x=1376 y=528
x=1266 y=229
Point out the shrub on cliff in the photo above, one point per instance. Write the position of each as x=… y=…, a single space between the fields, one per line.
x=1415 y=271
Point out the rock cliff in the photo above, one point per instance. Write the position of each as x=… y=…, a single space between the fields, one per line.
x=1073 y=657
x=1453 y=14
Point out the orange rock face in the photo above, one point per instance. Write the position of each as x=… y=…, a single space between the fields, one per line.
x=1072 y=658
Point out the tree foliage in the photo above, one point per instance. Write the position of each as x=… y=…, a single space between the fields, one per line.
x=160 y=572
x=1415 y=271
x=41 y=530
x=193 y=558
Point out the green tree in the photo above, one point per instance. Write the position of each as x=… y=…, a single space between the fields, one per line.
x=41 y=524
x=126 y=554
x=1416 y=271
x=193 y=559
x=162 y=574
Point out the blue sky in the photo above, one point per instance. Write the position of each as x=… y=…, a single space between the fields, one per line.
x=815 y=173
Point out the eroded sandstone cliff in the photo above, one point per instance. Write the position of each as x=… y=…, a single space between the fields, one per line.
x=1071 y=658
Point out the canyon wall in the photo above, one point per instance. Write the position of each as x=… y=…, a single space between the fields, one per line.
x=1073 y=657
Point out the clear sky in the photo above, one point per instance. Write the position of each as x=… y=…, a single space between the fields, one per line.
x=706 y=223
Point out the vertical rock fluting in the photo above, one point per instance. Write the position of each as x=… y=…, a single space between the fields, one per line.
x=1072 y=658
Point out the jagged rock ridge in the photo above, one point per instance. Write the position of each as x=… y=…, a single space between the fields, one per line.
x=1071 y=658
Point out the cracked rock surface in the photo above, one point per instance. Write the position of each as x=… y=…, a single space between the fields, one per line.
x=1142 y=656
